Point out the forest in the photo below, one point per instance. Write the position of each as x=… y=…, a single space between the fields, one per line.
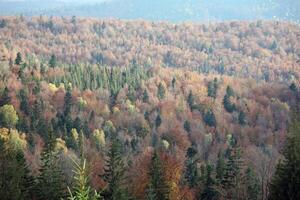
x=132 y=110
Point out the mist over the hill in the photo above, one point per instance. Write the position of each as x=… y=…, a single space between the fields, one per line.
x=157 y=10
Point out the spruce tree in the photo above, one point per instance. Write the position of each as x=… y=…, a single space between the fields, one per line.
x=5 y=98
x=50 y=181
x=52 y=61
x=18 y=59
x=191 y=175
x=252 y=186
x=191 y=100
x=157 y=184
x=220 y=168
x=161 y=91
x=286 y=181
x=158 y=121
x=16 y=183
x=81 y=189
x=209 y=192
x=145 y=96
x=232 y=177
x=114 y=174
x=187 y=126
x=68 y=102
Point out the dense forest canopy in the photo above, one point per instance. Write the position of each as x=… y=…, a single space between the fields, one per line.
x=113 y=109
x=262 y=50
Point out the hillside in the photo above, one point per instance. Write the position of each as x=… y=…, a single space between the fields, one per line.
x=174 y=111
x=261 y=50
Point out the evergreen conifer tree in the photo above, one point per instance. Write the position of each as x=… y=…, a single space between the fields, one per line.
x=286 y=181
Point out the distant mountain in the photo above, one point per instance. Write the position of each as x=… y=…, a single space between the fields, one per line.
x=171 y=10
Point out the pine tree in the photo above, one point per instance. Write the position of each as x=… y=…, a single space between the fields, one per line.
x=157 y=185
x=286 y=181
x=18 y=59
x=50 y=181
x=114 y=174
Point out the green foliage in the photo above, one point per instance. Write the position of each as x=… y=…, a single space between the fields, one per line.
x=173 y=82
x=8 y=116
x=229 y=107
x=24 y=105
x=158 y=189
x=187 y=126
x=68 y=102
x=191 y=100
x=18 y=59
x=191 y=175
x=286 y=181
x=242 y=120
x=210 y=119
x=5 y=98
x=161 y=91
x=114 y=174
x=50 y=181
x=220 y=168
x=145 y=96
x=81 y=189
x=252 y=185
x=16 y=182
x=232 y=178
x=212 y=88
x=209 y=192
x=158 y=121
x=293 y=87
x=229 y=91
x=52 y=61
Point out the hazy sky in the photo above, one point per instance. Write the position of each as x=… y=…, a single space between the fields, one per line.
x=172 y=10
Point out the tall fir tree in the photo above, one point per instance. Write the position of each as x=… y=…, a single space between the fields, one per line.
x=161 y=91
x=81 y=189
x=114 y=174
x=210 y=192
x=16 y=183
x=233 y=174
x=191 y=174
x=158 y=188
x=52 y=61
x=286 y=181
x=50 y=181
x=18 y=59
x=251 y=184
x=191 y=100
x=5 y=98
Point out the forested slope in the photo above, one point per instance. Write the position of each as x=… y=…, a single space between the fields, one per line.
x=266 y=50
x=133 y=100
